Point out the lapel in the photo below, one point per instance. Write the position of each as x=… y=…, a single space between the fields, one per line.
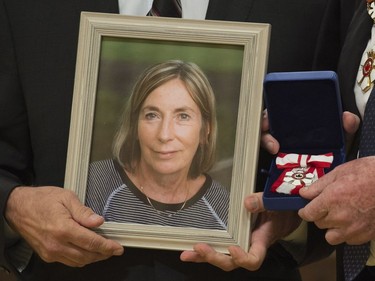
x=107 y=6
x=232 y=10
x=355 y=43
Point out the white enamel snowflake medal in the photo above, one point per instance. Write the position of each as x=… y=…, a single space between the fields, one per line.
x=295 y=179
x=368 y=76
x=298 y=176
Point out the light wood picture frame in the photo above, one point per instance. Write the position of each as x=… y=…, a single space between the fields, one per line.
x=237 y=50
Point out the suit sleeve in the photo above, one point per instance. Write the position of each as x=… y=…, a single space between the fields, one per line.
x=15 y=152
x=334 y=27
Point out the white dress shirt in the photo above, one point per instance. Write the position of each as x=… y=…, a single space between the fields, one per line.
x=360 y=96
x=191 y=9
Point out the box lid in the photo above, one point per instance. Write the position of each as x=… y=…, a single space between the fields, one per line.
x=304 y=110
x=305 y=116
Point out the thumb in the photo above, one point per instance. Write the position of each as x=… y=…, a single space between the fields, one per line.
x=254 y=203
x=350 y=122
x=312 y=191
x=82 y=214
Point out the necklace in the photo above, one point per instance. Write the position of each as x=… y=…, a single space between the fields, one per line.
x=163 y=212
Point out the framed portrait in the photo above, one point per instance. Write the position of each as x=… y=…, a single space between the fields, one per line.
x=113 y=52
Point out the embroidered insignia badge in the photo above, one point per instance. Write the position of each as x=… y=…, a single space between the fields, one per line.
x=368 y=77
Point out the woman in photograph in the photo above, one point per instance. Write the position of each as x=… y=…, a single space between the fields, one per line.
x=162 y=152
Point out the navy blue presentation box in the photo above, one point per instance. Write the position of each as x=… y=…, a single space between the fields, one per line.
x=305 y=116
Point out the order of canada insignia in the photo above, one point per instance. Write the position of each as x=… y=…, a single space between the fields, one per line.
x=368 y=77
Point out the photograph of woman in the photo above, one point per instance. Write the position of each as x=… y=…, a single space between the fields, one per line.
x=162 y=153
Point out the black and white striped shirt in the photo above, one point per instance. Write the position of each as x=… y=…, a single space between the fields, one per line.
x=110 y=193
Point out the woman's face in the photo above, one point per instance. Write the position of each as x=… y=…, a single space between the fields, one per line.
x=169 y=129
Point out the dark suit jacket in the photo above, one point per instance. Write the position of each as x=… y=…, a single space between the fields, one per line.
x=356 y=41
x=38 y=42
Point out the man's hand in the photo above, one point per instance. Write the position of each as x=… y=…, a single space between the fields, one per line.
x=56 y=225
x=350 y=124
x=270 y=227
x=343 y=202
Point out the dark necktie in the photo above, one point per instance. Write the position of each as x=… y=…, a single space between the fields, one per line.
x=355 y=256
x=367 y=143
x=166 y=8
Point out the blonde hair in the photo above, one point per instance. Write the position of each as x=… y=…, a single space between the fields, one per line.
x=126 y=149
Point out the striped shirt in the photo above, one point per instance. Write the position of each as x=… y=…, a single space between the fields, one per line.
x=111 y=194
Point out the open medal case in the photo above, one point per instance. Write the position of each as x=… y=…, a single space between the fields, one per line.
x=305 y=116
